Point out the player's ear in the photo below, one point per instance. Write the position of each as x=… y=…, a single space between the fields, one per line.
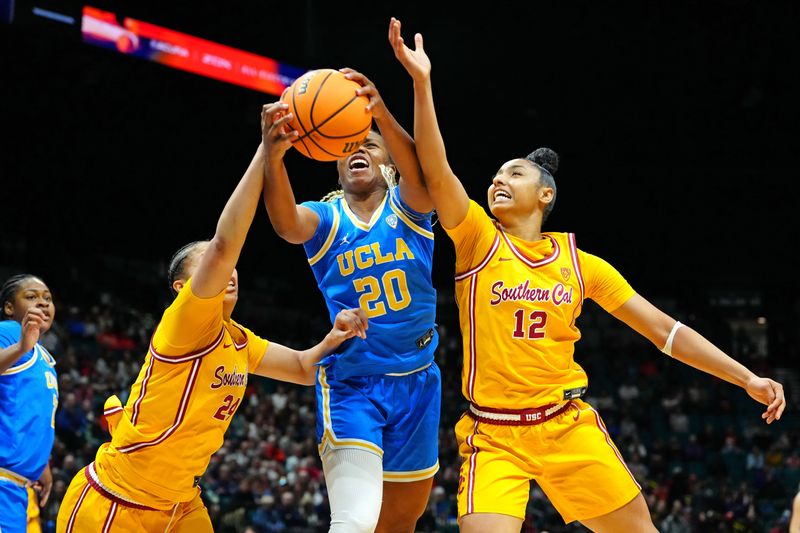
x=178 y=284
x=546 y=195
x=8 y=309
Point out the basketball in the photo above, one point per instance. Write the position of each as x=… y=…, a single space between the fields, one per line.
x=330 y=117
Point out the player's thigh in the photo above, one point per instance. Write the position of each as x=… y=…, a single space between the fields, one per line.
x=403 y=504
x=84 y=509
x=411 y=435
x=347 y=415
x=13 y=507
x=192 y=518
x=633 y=516
x=585 y=476
x=483 y=522
x=493 y=479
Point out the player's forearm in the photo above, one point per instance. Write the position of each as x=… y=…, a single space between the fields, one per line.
x=219 y=260
x=238 y=214
x=9 y=356
x=428 y=137
x=279 y=200
x=308 y=359
x=401 y=147
x=695 y=350
x=444 y=188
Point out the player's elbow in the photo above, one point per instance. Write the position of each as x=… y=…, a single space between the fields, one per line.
x=287 y=228
x=218 y=248
x=289 y=234
x=308 y=379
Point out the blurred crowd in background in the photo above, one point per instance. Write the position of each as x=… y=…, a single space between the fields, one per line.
x=697 y=445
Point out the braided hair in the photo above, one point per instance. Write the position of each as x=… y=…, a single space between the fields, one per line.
x=10 y=289
x=546 y=160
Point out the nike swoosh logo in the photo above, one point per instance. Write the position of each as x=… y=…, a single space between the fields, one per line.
x=577 y=416
x=227 y=345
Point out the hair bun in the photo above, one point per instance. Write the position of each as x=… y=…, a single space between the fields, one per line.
x=545 y=158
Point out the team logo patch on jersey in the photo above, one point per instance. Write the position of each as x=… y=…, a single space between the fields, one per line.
x=565 y=273
x=392 y=220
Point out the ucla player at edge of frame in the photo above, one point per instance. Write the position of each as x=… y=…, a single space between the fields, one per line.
x=28 y=400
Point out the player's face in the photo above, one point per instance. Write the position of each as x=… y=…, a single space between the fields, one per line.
x=32 y=292
x=514 y=189
x=360 y=172
x=231 y=291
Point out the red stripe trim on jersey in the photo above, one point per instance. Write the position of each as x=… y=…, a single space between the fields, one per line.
x=110 y=517
x=135 y=416
x=197 y=354
x=573 y=248
x=602 y=427
x=74 y=514
x=530 y=262
x=113 y=410
x=483 y=263
x=94 y=482
x=473 y=352
x=179 y=416
x=239 y=346
x=473 y=460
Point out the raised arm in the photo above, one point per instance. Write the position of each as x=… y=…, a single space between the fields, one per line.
x=32 y=324
x=217 y=263
x=688 y=346
x=399 y=143
x=294 y=223
x=298 y=366
x=448 y=194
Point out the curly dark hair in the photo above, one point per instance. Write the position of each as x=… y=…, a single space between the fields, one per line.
x=546 y=160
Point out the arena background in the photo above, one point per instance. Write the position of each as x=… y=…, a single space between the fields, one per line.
x=677 y=128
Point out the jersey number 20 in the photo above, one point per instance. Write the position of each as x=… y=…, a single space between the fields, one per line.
x=392 y=286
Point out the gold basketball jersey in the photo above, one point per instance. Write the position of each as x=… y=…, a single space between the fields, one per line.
x=518 y=302
x=192 y=382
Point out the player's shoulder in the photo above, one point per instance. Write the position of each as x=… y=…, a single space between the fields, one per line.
x=10 y=328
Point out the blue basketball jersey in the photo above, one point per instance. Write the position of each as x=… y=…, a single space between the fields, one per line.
x=384 y=267
x=28 y=400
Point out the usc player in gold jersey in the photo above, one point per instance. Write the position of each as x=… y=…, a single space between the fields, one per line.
x=191 y=383
x=519 y=292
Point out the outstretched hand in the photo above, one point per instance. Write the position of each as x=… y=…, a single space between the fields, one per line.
x=415 y=61
x=770 y=393
x=349 y=323
x=275 y=133
x=376 y=104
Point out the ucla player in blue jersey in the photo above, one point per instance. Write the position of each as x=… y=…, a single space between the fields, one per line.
x=28 y=398
x=378 y=397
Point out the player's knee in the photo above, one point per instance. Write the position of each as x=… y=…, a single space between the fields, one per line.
x=357 y=520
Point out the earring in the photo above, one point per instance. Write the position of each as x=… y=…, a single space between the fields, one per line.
x=387 y=172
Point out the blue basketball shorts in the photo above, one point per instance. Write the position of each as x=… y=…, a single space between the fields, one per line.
x=13 y=507
x=393 y=416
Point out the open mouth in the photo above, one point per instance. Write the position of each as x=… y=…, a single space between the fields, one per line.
x=358 y=163
x=500 y=194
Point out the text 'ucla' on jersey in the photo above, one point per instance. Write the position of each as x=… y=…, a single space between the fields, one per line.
x=384 y=267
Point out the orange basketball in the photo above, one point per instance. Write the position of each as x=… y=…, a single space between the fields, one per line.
x=331 y=118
